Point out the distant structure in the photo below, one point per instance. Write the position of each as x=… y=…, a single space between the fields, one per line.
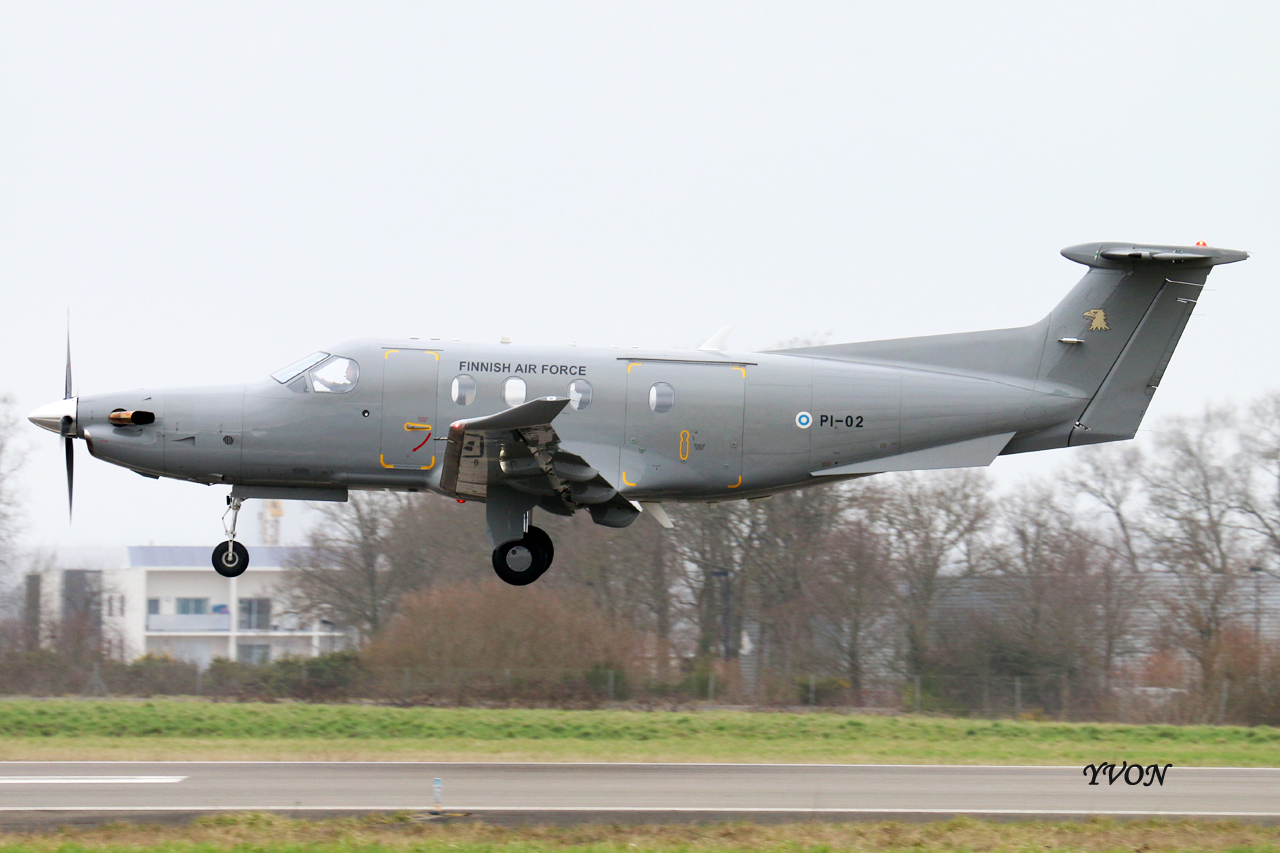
x=128 y=602
x=269 y=515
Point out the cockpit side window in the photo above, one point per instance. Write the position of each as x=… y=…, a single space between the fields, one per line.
x=303 y=364
x=338 y=375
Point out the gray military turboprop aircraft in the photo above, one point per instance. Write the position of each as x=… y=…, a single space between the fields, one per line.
x=616 y=434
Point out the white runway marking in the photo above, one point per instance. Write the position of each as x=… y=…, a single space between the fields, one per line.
x=89 y=780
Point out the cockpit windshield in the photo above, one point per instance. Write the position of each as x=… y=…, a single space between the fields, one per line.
x=285 y=374
x=338 y=375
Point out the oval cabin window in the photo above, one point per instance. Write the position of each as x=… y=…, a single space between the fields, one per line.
x=662 y=397
x=513 y=391
x=463 y=390
x=579 y=394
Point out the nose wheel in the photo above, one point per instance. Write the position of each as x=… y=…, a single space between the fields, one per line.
x=520 y=562
x=230 y=558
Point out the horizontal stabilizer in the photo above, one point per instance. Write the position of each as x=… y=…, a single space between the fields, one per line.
x=1125 y=255
x=974 y=453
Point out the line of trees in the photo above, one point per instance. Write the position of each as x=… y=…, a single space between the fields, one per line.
x=1126 y=573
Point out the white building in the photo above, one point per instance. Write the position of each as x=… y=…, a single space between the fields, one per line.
x=168 y=600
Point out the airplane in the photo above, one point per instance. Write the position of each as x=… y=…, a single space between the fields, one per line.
x=617 y=433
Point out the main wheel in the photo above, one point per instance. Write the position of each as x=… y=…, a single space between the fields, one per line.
x=230 y=559
x=520 y=562
x=538 y=535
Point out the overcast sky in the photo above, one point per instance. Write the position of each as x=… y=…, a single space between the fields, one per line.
x=217 y=189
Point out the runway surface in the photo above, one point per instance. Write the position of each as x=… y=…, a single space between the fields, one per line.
x=34 y=793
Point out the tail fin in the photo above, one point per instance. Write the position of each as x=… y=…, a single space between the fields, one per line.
x=1129 y=310
x=1108 y=341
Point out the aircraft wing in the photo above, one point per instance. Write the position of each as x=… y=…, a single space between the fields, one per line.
x=519 y=448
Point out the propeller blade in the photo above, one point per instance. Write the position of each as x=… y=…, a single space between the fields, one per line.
x=69 y=445
x=67 y=394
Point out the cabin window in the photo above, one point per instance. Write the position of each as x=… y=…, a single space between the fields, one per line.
x=579 y=394
x=513 y=391
x=338 y=375
x=301 y=365
x=662 y=397
x=463 y=390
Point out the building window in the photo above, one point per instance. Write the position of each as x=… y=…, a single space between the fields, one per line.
x=255 y=614
x=662 y=397
x=153 y=607
x=579 y=394
x=193 y=606
x=254 y=653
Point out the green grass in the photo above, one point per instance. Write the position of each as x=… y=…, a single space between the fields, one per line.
x=259 y=833
x=156 y=729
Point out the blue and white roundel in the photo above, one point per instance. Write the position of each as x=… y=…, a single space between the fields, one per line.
x=803 y=420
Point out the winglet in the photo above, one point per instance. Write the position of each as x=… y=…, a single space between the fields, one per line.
x=715 y=343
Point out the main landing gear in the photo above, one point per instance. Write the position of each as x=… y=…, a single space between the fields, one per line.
x=230 y=558
x=522 y=561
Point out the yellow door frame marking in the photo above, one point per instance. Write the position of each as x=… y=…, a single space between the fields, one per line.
x=382 y=459
x=410 y=427
x=387 y=353
x=633 y=364
x=739 y=483
x=684 y=445
x=744 y=371
x=624 y=480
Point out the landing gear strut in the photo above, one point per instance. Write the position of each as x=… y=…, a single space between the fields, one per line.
x=520 y=562
x=230 y=558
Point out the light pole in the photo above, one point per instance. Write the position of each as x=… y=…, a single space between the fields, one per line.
x=1257 y=571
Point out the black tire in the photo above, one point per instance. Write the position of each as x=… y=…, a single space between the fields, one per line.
x=538 y=535
x=520 y=562
x=230 y=559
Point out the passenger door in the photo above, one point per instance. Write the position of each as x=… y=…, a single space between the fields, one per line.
x=409 y=379
x=684 y=427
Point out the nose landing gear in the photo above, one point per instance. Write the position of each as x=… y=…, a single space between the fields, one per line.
x=520 y=562
x=230 y=558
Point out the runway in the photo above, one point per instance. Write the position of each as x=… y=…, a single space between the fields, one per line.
x=52 y=793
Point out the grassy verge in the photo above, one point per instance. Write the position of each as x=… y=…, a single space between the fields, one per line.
x=268 y=834
x=166 y=729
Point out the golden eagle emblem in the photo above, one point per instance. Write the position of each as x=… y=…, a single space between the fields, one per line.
x=1099 y=318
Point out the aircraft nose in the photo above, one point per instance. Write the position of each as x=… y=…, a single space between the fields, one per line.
x=50 y=416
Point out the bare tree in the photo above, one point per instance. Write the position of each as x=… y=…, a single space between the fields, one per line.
x=1198 y=535
x=1107 y=486
x=345 y=574
x=849 y=594
x=931 y=522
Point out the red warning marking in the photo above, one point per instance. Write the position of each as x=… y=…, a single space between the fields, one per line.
x=424 y=441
